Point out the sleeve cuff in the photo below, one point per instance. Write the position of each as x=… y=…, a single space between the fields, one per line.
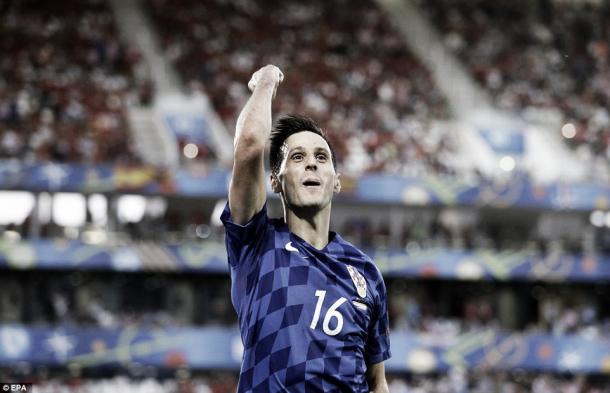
x=378 y=358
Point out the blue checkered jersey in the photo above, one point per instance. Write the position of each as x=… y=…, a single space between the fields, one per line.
x=310 y=320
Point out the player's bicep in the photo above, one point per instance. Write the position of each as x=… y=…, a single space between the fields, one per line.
x=247 y=193
x=375 y=375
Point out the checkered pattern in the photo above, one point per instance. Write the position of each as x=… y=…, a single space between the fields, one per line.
x=275 y=276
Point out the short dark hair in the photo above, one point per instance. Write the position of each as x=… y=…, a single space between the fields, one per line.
x=286 y=126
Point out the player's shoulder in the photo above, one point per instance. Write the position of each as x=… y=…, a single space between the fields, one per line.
x=278 y=224
x=366 y=263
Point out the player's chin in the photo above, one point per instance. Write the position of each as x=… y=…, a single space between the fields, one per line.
x=319 y=202
x=311 y=200
x=310 y=204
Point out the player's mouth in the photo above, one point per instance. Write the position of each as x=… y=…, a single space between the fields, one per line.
x=310 y=183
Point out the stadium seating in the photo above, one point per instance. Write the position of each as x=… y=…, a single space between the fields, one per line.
x=377 y=115
x=65 y=83
x=477 y=383
x=548 y=56
x=492 y=287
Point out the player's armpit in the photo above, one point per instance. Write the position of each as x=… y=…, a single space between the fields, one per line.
x=375 y=375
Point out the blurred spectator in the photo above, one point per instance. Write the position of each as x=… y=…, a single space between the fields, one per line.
x=65 y=83
x=456 y=381
x=538 y=56
x=122 y=384
x=349 y=70
x=113 y=300
x=440 y=309
x=444 y=310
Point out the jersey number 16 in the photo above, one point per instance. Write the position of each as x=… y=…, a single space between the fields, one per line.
x=331 y=313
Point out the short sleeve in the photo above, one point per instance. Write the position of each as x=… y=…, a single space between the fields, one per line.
x=378 y=342
x=243 y=241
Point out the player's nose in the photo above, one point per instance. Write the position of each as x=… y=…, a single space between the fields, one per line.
x=311 y=163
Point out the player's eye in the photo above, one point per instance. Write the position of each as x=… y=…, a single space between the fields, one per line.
x=321 y=157
x=297 y=156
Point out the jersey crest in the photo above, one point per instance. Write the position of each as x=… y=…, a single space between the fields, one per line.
x=358 y=280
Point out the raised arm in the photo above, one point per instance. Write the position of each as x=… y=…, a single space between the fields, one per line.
x=247 y=189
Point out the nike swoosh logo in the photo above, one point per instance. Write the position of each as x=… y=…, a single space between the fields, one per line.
x=290 y=247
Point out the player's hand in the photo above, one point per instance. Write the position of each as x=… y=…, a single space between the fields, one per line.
x=269 y=76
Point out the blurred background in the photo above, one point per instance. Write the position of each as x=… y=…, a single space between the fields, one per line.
x=473 y=138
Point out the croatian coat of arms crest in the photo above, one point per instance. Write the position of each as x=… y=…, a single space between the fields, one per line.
x=358 y=279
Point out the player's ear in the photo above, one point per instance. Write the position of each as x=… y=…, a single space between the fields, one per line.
x=276 y=186
x=337 y=187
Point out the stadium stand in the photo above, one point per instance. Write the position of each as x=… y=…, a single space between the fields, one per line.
x=457 y=381
x=332 y=77
x=182 y=384
x=66 y=84
x=109 y=301
x=476 y=383
x=562 y=66
x=503 y=291
x=440 y=310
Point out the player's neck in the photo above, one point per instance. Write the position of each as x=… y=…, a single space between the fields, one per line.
x=311 y=227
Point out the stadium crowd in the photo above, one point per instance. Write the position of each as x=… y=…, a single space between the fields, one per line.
x=415 y=237
x=183 y=383
x=441 y=310
x=429 y=230
x=118 y=300
x=114 y=300
x=538 y=55
x=456 y=381
x=65 y=82
x=444 y=311
x=446 y=231
x=65 y=87
x=378 y=116
x=68 y=81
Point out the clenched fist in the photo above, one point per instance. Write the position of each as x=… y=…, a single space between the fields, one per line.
x=268 y=76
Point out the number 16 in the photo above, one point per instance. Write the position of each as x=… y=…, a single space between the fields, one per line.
x=332 y=312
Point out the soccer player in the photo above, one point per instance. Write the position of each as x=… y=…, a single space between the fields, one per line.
x=312 y=307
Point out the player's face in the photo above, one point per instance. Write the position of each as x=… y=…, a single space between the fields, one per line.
x=307 y=178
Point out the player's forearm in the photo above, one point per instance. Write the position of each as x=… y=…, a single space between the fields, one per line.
x=247 y=189
x=378 y=385
x=376 y=378
x=254 y=121
x=381 y=389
